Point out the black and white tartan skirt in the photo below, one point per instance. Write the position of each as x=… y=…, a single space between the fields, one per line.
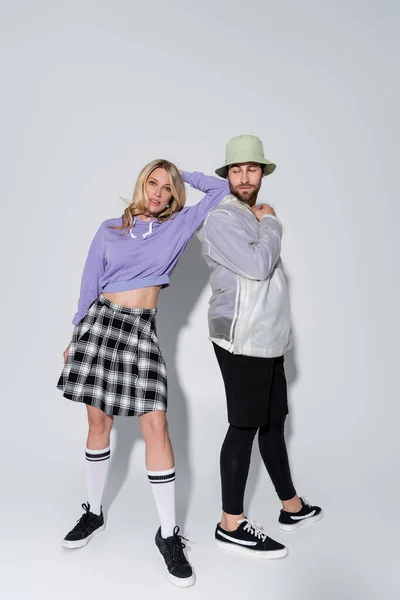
x=114 y=361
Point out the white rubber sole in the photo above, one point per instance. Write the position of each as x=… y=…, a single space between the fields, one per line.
x=263 y=554
x=178 y=581
x=183 y=583
x=73 y=545
x=299 y=524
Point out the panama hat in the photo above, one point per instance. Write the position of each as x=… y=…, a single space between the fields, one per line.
x=243 y=149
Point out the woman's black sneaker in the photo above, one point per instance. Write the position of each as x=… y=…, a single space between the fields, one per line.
x=249 y=539
x=307 y=514
x=180 y=572
x=87 y=527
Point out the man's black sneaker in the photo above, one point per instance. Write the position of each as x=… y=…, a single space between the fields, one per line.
x=87 y=527
x=249 y=539
x=307 y=514
x=180 y=572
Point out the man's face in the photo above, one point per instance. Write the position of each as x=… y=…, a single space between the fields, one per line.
x=245 y=181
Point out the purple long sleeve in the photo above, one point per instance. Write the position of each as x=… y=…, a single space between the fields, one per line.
x=215 y=189
x=147 y=255
x=92 y=273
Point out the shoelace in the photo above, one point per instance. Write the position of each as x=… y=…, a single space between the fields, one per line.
x=255 y=529
x=305 y=502
x=85 y=517
x=175 y=546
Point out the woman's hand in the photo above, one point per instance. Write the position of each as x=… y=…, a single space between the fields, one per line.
x=65 y=354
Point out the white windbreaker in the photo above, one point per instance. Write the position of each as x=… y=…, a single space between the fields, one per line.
x=249 y=308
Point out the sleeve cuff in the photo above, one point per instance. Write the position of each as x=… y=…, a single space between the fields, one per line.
x=271 y=217
x=271 y=221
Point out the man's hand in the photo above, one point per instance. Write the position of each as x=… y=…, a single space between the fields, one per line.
x=263 y=209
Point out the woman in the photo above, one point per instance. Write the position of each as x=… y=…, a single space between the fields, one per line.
x=113 y=363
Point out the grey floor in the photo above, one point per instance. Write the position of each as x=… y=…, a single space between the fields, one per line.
x=350 y=554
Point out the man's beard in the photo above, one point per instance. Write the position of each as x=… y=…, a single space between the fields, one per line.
x=248 y=196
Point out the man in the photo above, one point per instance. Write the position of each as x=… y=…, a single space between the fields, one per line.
x=249 y=322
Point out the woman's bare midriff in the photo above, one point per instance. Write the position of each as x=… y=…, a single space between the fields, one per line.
x=140 y=298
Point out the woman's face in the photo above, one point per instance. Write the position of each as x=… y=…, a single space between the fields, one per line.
x=158 y=191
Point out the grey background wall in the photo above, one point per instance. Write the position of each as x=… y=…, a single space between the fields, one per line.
x=94 y=90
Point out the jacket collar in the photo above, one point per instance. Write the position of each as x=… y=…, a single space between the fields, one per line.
x=231 y=199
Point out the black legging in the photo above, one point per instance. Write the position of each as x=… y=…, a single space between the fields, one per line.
x=235 y=462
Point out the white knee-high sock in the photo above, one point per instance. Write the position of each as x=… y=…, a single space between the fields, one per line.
x=98 y=463
x=163 y=486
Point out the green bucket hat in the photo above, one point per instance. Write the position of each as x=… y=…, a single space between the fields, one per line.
x=242 y=149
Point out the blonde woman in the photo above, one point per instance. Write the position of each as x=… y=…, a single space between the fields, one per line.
x=113 y=363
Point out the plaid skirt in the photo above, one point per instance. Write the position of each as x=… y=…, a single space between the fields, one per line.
x=114 y=362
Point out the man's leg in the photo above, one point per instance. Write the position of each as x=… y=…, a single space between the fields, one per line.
x=271 y=439
x=236 y=532
x=241 y=375
x=235 y=463
x=273 y=450
x=295 y=511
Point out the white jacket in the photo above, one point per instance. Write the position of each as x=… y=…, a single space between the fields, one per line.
x=249 y=308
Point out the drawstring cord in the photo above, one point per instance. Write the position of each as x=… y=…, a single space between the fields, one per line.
x=144 y=235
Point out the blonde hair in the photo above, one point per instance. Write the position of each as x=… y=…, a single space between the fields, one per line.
x=138 y=204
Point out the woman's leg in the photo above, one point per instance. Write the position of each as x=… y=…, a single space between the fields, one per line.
x=98 y=460
x=97 y=455
x=160 y=467
x=161 y=473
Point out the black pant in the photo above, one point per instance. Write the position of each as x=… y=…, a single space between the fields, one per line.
x=255 y=387
x=235 y=462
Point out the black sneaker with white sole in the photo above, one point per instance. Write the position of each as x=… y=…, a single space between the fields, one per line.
x=249 y=539
x=180 y=572
x=307 y=514
x=87 y=527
